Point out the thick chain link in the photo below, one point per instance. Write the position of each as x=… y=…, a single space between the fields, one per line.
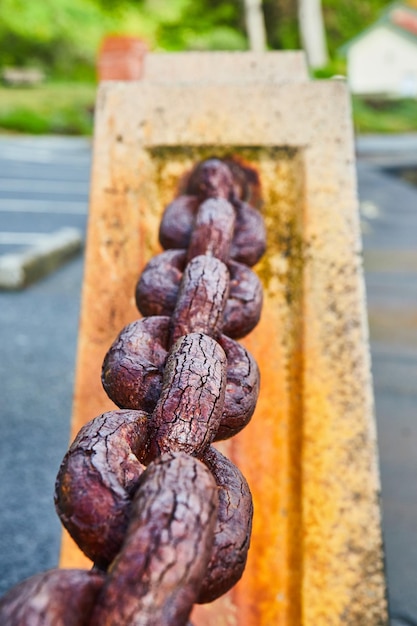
x=163 y=515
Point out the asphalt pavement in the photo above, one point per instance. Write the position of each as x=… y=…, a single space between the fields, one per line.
x=43 y=187
x=389 y=231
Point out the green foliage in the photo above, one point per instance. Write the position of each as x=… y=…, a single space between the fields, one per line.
x=63 y=108
x=281 y=24
x=46 y=34
x=344 y=19
x=335 y=67
x=373 y=115
x=202 y=25
x=60 y=36
x=63 y=36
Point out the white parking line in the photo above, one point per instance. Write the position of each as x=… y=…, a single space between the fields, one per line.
x=15 y=205
x=75 y=153
x=43 y=186
x=22 y=239
x=44 y=158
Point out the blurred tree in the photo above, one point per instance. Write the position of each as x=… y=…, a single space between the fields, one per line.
x=344 y=19
x=281 y=24
x=62 y=36
x=47 y=33
x=199 y=24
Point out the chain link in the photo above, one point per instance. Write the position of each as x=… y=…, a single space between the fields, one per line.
x=163 y=515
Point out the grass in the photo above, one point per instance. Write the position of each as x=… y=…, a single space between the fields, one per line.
x=376 y=115
x=67 y=108
x=50 y=108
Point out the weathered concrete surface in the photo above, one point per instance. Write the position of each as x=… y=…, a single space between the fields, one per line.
x=309 y=453
x=230 y=67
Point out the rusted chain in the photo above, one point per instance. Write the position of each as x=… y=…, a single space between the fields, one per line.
x=165 y=518
x=58 y=596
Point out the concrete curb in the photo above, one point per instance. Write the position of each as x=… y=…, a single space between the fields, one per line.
x=20 y=269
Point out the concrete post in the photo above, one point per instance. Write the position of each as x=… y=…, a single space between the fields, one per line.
x=309 y=453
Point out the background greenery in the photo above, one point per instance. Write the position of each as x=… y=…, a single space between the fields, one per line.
x=62 y=37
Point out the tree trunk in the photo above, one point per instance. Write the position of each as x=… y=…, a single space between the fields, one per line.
x=312 y=32
x=255 y=25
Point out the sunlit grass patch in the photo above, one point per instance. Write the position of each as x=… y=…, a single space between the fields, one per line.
x=378 y=115
x=50 y=108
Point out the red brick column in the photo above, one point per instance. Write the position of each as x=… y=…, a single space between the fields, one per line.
x=121 y=57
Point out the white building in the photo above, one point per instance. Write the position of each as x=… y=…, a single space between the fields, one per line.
x=383 y=58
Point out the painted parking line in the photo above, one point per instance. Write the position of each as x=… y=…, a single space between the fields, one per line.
x=22 y=239
x=26 y=185
x=16 y=205
x=41 y=173
x=45 y=152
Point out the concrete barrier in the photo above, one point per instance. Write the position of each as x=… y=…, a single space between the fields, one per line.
x=309 y=453
x=230 y=67
x=17 y=270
